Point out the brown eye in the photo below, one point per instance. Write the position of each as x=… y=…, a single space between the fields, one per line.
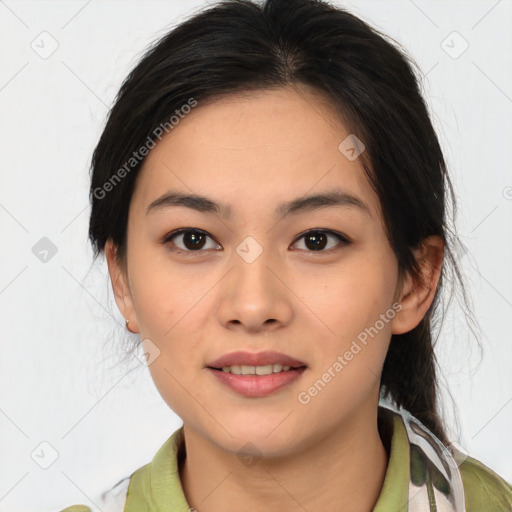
x=192 y=240
x=317 y=240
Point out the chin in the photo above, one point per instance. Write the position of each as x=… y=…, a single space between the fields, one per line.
x=257 y=440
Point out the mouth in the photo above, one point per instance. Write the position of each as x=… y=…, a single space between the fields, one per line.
x=256 y=374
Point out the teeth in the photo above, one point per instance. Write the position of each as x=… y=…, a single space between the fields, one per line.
x=256 y=370
x=263 y=370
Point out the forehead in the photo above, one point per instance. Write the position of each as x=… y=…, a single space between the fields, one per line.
x=255 y=148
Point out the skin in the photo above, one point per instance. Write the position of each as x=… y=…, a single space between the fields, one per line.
x=252 y=152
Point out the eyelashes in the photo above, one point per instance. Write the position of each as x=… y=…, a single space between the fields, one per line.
x=198 y=236
x=196 y=239
x=317 y=236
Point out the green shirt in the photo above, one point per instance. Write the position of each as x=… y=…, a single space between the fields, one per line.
x=156 y=486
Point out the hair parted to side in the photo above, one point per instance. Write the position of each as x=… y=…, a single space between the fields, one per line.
x=240 y=46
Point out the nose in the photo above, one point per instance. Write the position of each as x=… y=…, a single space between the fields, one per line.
x=255 y=295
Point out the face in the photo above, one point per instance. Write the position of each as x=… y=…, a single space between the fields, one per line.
x=315 y=281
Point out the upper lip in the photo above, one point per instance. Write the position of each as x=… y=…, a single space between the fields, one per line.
x=240 y=358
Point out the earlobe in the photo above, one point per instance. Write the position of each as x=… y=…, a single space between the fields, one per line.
x=120 y=287
x=417 y=294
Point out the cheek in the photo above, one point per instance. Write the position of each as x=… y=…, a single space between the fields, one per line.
x=347 y=369
x=179 y=376
x=165 y=295
x=348 y=299
x=352 y=307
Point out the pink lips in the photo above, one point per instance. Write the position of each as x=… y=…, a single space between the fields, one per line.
x=256 y=385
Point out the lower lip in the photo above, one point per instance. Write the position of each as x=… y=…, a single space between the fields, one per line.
x=257 y=385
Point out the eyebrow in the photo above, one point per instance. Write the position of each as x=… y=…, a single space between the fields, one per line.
x=299 y=205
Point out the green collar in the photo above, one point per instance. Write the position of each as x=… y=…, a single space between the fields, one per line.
x=156 y=487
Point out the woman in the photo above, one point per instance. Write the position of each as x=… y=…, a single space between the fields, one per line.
x=271 y=199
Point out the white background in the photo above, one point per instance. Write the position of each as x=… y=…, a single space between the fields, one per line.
x=62 y=336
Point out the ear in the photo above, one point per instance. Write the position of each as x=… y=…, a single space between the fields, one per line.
x=119 y=279
x=417 y=295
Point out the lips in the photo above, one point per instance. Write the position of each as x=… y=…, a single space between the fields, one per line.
x=240 y=358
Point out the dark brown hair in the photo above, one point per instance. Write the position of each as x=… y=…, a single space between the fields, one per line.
x=238 y=45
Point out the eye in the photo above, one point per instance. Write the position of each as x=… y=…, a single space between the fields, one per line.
x=316 y=240
x=193 y=240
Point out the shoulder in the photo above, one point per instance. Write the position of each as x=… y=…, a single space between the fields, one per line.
x=133 y=487
x=484 y=489
x=112 y=500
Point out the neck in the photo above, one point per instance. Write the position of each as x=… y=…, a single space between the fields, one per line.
x=344 y=470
